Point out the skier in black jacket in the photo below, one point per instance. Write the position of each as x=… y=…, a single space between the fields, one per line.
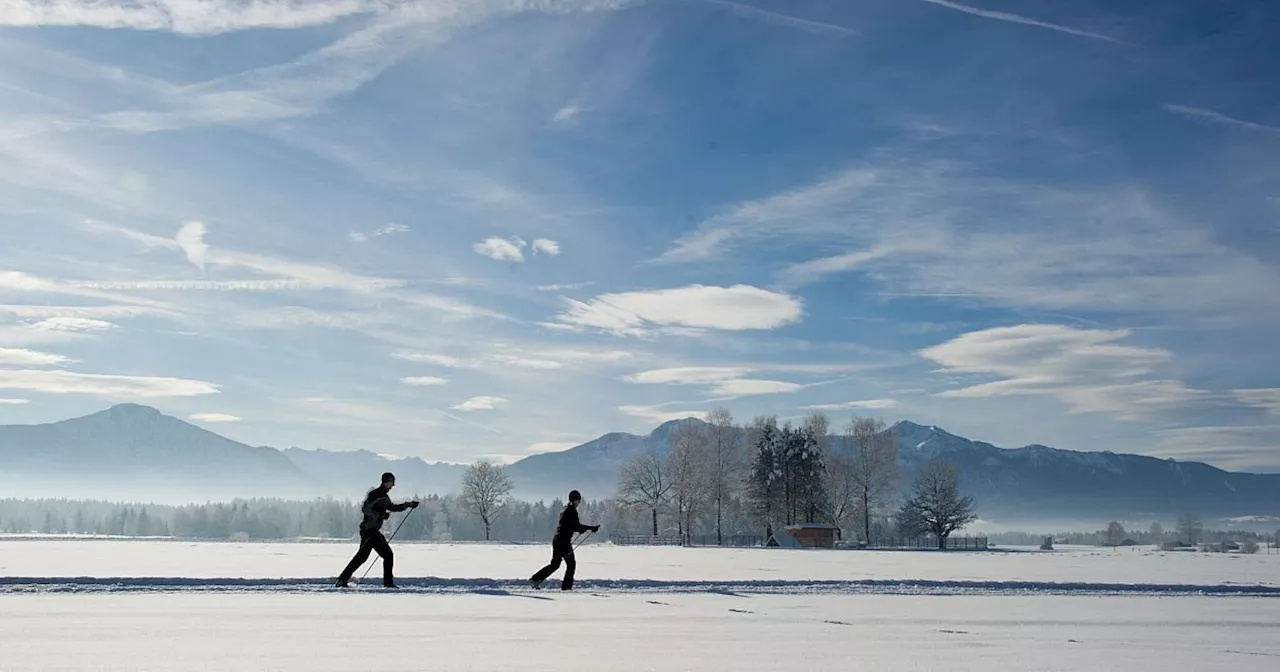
x=376 y=509
x=562 y=544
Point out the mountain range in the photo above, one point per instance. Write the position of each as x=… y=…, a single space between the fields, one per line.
x=132 y=452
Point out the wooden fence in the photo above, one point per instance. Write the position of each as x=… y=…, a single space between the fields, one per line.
x=730 y=540
x=647 y=540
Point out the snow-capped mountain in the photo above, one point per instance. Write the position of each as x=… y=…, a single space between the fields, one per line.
x=135 y=452
x=1042 y=483
x=348 y=474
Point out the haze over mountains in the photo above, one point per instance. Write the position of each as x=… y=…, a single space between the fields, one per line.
x=136 y=453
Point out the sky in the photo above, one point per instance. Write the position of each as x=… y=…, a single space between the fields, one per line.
x=490 y=229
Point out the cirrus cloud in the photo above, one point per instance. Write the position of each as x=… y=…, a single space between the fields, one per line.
x=482 y=403
x=1084 y=368
x=423 y=381
x=679 y=310
x=21 y=357
x=210 y=17
x=721 y=381
x=867 y=404
x=215 y=417
x=102 y=385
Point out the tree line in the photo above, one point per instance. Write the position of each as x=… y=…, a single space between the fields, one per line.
x=437 y=518
x=780 y=475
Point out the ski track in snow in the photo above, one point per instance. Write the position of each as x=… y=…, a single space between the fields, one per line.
x=434 y=585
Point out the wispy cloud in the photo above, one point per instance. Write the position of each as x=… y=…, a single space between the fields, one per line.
x=388 y=230
x=569 y=113
x=810 y=271
x=284 y=275
x=785 y=20
x=808 y=211
x=507 y=357
x=423 y=381
x=1085 y=368
x=564 y=287
x=656 y=414
x=93 y=314
x=526 y=362
x=1228 y=446
x=546 y=246
x=73 y=324
x=1209 y=116
x=482 y=403
x=215 y=417
x=20 y=357
x=1014 y=18
x=208 y=17
x=1264 y=398
x=438 y=360
x=720 y=381
x=16 y=282
x=98 y=385
x=939 y=229
x=501 y=249
x=736 y=308
x=867 y=404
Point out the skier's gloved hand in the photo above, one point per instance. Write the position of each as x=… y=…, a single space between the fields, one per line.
x=595 y=528
x=414 y=504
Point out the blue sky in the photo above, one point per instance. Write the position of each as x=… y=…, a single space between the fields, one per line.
x=495 y=228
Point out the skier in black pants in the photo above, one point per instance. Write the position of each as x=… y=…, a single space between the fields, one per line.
x=562 y=544
x=377 y=508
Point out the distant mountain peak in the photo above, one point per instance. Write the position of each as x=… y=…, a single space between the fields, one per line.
x=131 y=410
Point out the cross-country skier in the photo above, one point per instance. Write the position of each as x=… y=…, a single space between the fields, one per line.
x=377 y=509
x=562 y=544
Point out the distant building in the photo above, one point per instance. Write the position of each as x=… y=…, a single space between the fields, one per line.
x=781 y=539
x=814 y=535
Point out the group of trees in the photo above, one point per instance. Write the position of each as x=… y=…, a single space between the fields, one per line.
x=447 y=518
x=787 y=474
x=1190 y=531
x=717 y=476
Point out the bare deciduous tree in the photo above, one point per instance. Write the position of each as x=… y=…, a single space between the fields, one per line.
x=870 y=463
x=645 y=482
x=725 y=462
x=1114 y=534
x=1156 y=533
x=935 y=505
x=842 y=498
x=687 y=468
x=486 y=491
x=1189 y=528
x=820 y=427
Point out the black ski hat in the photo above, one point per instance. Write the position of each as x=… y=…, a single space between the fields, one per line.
x=575 y=496
x=388 y=478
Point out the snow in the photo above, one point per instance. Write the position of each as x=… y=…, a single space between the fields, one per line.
x=1132 y=565
x=582 y=631
x=69 y=605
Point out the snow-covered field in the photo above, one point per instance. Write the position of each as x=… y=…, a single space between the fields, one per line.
x=182 y=606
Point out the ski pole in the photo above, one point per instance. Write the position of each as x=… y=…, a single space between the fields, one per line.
x=583 y=538
x=393 y=536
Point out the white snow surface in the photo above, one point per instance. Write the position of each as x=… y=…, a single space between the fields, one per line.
x=625 y=633
x=159 y=606
x=188 y=559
